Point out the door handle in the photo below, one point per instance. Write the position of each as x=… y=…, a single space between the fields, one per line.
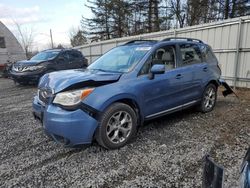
x=178 y=76
x=205 y=69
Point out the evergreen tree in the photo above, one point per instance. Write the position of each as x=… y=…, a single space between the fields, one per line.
x=119 y=18
x=78 y=39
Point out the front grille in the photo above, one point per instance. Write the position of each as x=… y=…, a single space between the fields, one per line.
x=44 y=95
x=18 y=68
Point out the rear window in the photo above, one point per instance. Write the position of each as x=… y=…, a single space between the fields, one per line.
x=207 y=54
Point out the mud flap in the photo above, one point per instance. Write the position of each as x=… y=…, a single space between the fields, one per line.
x=213 y=174
x=228 y=90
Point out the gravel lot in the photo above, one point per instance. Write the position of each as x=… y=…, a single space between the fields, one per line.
x=166 y=153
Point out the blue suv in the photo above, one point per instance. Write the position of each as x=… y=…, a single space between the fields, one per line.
x=128 y=85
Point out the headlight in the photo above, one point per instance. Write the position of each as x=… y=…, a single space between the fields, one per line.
x=33 y=68
x=71 y=98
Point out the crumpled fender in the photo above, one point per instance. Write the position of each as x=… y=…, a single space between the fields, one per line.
x=228 y=90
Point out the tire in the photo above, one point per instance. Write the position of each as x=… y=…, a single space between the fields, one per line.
x=113 y=132
x=209 y=98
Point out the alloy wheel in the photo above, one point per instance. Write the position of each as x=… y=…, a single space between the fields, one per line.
x=209 y=98
x=119 y=127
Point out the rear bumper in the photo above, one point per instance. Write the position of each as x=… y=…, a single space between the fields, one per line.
x=67 y=127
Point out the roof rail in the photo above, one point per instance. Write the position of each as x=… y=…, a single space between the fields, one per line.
x=182 y=38
x=139 y=41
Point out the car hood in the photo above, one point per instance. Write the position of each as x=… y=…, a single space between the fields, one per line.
x=28 y=62
x=78 y=78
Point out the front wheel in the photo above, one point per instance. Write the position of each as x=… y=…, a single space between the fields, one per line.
x=117 y=126
x=209 y=98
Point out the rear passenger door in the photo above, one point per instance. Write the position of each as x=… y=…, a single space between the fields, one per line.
x=75 y=60
x=194 y=71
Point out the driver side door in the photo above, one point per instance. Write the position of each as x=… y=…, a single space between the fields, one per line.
x=163 y=93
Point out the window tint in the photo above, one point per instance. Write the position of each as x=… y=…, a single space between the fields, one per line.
x=2 y=42
x=164 y=55
x=190 y=54
x=75 y=55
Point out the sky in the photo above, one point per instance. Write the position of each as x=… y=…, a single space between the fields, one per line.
x=42 y=15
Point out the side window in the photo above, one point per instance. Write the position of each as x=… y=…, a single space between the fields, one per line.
x=146 y=67
x=74 y=55
x=164 y=55
x=190 y=54
x=2 y=42
x=65 y=56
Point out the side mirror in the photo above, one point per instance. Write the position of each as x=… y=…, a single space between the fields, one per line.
x=156 y=69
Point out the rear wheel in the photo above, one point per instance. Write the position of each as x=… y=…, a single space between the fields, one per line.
x=117 y=126
x=209 y=98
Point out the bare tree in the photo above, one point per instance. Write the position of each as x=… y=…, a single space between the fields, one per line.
x=179 y=10
x=25 y=35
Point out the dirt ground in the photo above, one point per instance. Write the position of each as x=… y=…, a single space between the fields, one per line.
x=167 y=152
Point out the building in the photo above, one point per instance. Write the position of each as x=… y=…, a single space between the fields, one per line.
x=10 y=49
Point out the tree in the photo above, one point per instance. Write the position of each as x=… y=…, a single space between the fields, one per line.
x=99 y=25
x=153 y=15
x=25 y=36
x=233 y=8
x=178 y=10
x=119 y=18
x=77 y=37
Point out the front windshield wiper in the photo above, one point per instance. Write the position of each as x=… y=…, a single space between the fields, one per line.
x=107 y=70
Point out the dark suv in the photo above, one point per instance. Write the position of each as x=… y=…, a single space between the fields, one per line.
x=30 y=71
x=128 y=85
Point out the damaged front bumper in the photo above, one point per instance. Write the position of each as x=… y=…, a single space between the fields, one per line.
x=64 y=126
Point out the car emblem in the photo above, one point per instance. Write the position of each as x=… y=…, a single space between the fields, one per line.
x=19 y=68
x=44 y=94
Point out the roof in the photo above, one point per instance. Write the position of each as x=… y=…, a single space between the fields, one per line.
x=171 y=40
x=59 y=49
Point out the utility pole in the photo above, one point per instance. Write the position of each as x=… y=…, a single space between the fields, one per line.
x=51 y=38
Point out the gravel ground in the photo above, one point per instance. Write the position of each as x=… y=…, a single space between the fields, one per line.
x=167 y=152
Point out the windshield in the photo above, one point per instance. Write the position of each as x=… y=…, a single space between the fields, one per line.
x=120 y=59
x=44 y=56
